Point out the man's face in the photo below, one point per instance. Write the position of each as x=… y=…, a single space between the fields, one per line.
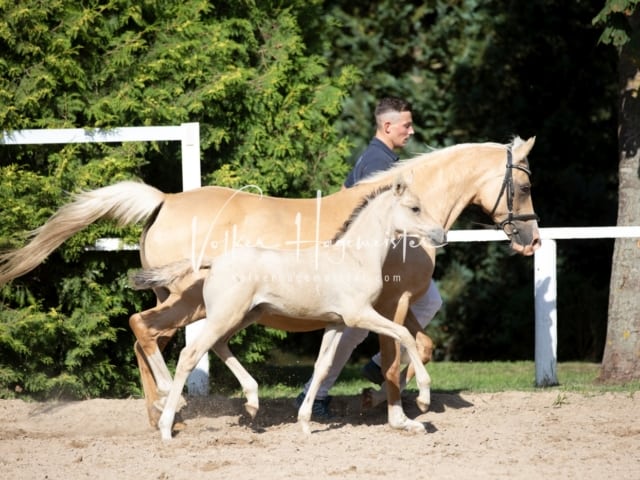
x=398 y=128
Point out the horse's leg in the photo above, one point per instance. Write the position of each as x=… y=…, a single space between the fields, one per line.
x=375 y=322
x=394 y=384
x=328 y=347
x=371 y=397
x=153 y=330
x=390 y=363
x=423 y=341
x=425 y=348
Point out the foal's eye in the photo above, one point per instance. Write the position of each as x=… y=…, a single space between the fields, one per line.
x=415 y=209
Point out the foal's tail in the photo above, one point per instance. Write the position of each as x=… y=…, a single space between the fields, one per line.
x=163 y=276
x=126 y=202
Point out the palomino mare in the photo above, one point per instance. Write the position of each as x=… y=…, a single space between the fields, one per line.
x=204 y=222
x=341 y=282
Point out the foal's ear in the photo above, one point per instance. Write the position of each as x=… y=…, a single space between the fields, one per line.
x=399 y=186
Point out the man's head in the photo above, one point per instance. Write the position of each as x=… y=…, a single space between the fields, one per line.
x=394 y=122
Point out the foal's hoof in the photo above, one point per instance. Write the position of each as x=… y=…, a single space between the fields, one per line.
x=252 y=410
x=306 y=426
x=423 y=404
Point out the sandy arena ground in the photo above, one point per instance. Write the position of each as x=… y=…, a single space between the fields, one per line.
x=512 y=435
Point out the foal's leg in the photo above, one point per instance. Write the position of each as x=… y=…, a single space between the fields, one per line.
x=214 y=329
x=247 y=382
x=328 y=347
x=189 y=358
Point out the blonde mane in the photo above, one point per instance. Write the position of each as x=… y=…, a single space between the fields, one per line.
x=421 y=158
x=356 y=211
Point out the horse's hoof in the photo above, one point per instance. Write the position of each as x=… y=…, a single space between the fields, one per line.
x=366 y=399
x=411 y=426
x=154 y=415
x=371 y=398
x=178 y=423
x=399 y=421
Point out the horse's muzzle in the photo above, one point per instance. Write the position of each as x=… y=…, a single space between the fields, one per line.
x=525 y=238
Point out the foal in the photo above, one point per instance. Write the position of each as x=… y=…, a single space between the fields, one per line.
x=336 y=285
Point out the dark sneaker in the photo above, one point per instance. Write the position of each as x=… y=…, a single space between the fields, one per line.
x=372 y=372
x=320 y=407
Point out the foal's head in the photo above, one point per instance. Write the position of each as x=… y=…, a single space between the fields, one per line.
x=410 y=217
x=405 y=212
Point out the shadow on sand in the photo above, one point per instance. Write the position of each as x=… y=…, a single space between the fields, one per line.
x=346 y=410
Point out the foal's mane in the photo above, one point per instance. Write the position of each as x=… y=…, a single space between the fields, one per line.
x=356 y=211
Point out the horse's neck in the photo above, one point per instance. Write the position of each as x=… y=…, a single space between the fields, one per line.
x=447 y=182
x=367 y=238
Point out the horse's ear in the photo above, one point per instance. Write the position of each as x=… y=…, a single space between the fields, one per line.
x=523 y=149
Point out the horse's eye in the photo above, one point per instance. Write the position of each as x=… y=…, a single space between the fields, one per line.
x=415 y=209
x=525 y=188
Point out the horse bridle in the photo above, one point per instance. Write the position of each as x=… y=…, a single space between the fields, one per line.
x=507 y=188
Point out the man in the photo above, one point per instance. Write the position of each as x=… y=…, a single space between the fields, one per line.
x=394 y=127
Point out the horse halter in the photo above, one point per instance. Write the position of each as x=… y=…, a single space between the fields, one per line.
x=507 y=187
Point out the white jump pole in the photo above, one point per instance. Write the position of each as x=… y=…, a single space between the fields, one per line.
x=546 y=315
x=198 y=381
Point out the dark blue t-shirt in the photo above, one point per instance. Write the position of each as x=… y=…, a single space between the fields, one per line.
x=376 y=158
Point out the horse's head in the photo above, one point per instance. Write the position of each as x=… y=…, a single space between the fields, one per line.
x=411 y=217
x=507 y=199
